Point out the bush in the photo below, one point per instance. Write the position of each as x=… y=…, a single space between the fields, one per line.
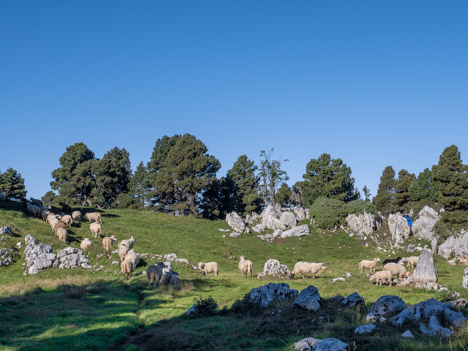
x=328 y=213
x=361 y=206
x=205 y=307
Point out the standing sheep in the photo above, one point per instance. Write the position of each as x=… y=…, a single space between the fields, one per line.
x=107 y=244
x=58 y=225
x=412 y=261
x=132 y=256
x=86 y=244
x=395 y=269
x=245 y=266
x=33 y=210
x=307 y=268
x=209 y=267
x=128 y=243
x=368 y=264
x=154 y=274
x=381 y=276
x=95 y=228
x=62 y=234
x=93 y=216
x=127 y=268
x=76 y=216
x=67 y=219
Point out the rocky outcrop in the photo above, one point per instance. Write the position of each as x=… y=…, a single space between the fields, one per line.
x=273 y=268
x=399 y=228
x=423 y=227
x=301 y=213
x=385 y=307
x=38 y=256
x=266 y=294
x=425 y=274
x=353 y=300
x=312 y=344
x=71 y=257
x=270 y=217
x=6 y=257
x=288 y=219
x=301 y=230
x=172 y=257
x=6 y=229
x=235 y=222
x=258 y=228
x=362 y=224
x=366 y=329
x=309 y=299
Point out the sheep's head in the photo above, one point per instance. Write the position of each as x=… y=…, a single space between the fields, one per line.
x=377 y=259
x=242 y=258
x=201 y=265
x=113 y=238
x=323 y=266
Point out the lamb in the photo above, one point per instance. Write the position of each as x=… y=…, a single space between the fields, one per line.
x=154 y=274
x=209 y=267
x=128 y=243
x=368 y=264
x=391 y=260
x=95 y=228
x=382 y=276
x=127 y=268
x=67 y=219
x=86 y=244
x=395 y=269
x=412 y=261
x=245 y=266
x=107 y=244
x=76 y=216
x=62 y=234
x=307 y=268
x=93 y=216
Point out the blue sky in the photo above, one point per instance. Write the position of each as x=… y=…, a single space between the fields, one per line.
x=375 y=83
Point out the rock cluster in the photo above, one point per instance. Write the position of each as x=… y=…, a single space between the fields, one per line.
x=6 y=229
x=455 y=244
x=5 y=257
x=71 y=257
x=301 y=213
x=172 y=257
x=362 y=224
x=270 y=217
x=235 y=222
x=301 y=230
x=399 y=228
x=266 y=294
x=423 y=227
x=385 y=307
x=273 y=268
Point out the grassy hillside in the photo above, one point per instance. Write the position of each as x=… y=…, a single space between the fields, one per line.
x=89 y=309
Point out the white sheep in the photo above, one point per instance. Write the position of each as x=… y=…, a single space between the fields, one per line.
x=368 y=264
x=127 y=268
x=44 y=213
x=128 y=243
x=93 y=216
x=67 y=219
x=62 y=234
x=95 y=228
x=107 y=244
x=122 y=252
x=57 y=225
x=76 y=216
x=209 y=267
x=412 y=261
x=395 y=269
x=307 y=268
x=132 y=256
x=245 y=266
x=381 y=276
x=86 y=244
x=154 y=274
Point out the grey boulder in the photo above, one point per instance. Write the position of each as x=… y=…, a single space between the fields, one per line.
x=425 y=274
x=266 y=294
x=309 y=299
x=385 y=307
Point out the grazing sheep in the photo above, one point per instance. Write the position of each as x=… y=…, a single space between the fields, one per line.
x=93 y=216
x=395 y=269
x=368 y=264
x=154 y=274
x=58 y=224
x=381 y=277
x=107 y=244
x=67 y=219
x=132 y=256
x=86 y=244
x=412 y=261
x=76 y=216
x=391 y=260
x=128 y=243
x=245 y=266
x=44 y=214
x=36 y=202
x=307 y=268
x=95 y=228
x=127 y=268
x=209 y=267
x=33 y=210
x=122 y=252
x=62 y=234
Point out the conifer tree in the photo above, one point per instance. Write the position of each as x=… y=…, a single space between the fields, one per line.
x=384 y=200
x=12 y=184
x=402 y=186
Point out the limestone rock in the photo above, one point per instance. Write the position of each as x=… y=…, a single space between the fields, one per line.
x=172 y=257
x=258 y=228
x=234 y=235
x=6 y=229
x=288 y=219
x=423 y=227
x=399 y=228
x=235 y=222
x=362 y=224
x=309 y=298
x=353 y=300
x=71 y=257
x=270 y=218
x=301 y=230
x=38 y=256
x=425 y=274
x=266 y=294
x=301 y=213
x=434 y=328
x=312 y=344
x=366 y=329
x=447 y=247
x=385 y=307
x=5 y=257
x=273 y=268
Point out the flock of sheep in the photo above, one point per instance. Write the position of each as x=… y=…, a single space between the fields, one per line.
x=390 y=268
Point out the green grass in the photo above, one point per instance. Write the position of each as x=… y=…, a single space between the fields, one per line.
x=84 y=309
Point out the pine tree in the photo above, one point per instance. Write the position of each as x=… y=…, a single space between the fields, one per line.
x=367 y=193
x=424 y=188
x=402 y=186
x=384 y=201
x=272 y=176
x=283 y=196
x=12 y=184
x=48 y=198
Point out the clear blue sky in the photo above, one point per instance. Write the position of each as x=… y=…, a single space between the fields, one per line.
x=375 y=83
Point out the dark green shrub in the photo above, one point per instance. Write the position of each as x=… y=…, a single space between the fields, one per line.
x=361 y=206
x=328 y=213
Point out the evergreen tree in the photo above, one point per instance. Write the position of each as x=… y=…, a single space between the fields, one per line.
x=112 y=177
x=424 y=188
x=245 y=184
x=327 y=177
x=384 y=201
x=283 y=196
x=402 y=186
x=75 y=180
x=272 y=176
x=451 y=176
x=48 y=198
x=12 y=184
x=138 y=189
x=367 y=193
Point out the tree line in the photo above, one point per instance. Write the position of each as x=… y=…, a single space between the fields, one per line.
x=180 y=179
